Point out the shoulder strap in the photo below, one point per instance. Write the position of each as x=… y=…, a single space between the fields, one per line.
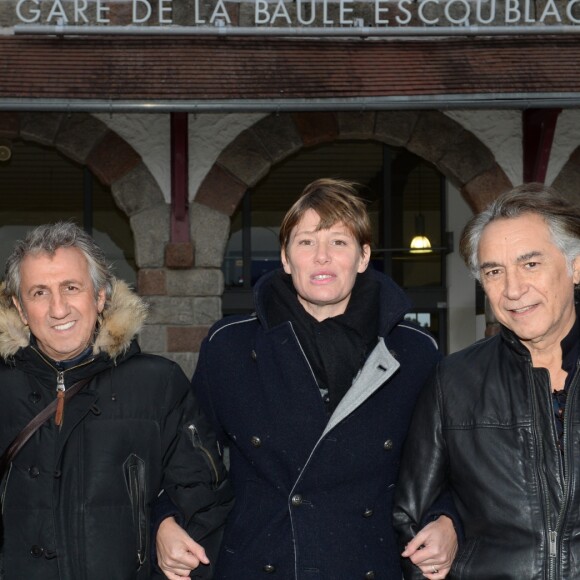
x=28 y=431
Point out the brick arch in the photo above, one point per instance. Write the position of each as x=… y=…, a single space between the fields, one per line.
x=88 y=141
x=431 y=135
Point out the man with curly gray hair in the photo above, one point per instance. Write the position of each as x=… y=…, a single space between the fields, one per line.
x=122 y=426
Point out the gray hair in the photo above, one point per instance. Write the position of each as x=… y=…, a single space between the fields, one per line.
x=561 y=215
x=47 y=239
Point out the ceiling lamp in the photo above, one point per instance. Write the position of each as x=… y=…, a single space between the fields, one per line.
x=420 y=244
x=5 y=151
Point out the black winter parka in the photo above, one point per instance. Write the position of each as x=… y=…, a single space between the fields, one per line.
x=485 y=428
x=76 y=499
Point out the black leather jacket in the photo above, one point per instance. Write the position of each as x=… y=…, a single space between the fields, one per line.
x=485 y=427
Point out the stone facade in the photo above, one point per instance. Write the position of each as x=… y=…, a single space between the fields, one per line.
x=185 y=298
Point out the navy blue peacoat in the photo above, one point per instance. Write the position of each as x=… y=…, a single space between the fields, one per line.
x=313 y=493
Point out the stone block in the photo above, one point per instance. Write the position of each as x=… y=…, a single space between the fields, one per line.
x=197 y=282
x=112 y=158
x=433 y=134
x=465 y=158
x=152 y=282
x=207 y=310
x=316 y=127
x=221 y=191
x=78 y=134
x=485 y=188
x=279 y=135
x=7 y=13
x=151 y=233
x=246 y=158
x=209 y=232
x=179 y=255
x=568 y=180
x=121 y=13
x=185 y=338
x=137 y=191
x=356 y=125
x=170 y=310
x=183 y=11
x=40 y=127
x=186 y=360
x=395 y=127
x=153 y=338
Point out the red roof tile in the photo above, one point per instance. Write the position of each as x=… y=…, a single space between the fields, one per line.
x=201 y=70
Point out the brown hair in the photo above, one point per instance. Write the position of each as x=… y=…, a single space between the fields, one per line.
x=334 y=200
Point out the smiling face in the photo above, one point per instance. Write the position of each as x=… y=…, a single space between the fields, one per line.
x=527 y=281
x=58 y=302
x=323 y=265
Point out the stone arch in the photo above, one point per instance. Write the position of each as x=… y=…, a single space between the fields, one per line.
x=568 y=180
x=88 y=141
x=435 y=137
x=431 y=135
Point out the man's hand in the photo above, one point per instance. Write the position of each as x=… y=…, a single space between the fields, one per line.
x=433 y=548
x=177 y=553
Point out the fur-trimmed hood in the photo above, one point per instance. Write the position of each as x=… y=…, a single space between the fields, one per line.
x=120 y=321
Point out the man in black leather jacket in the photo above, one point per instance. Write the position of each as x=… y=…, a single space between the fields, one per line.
x=499 y=423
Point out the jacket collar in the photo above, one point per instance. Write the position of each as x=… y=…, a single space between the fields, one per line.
x=121 y=320
x=393 y=302
x=569 y=343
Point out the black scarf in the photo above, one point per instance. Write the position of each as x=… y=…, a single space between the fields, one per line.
x=336 y=347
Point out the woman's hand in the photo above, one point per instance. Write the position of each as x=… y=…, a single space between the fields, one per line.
x=433 y=548
x=177 y=553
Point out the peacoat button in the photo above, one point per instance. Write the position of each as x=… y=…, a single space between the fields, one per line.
x=297 y=499
x=33 y=471
x=34 y=397
x=367 y=513
x=36 y=551
x=370 y=575
x=269 y=569
x=388 y=444
x=254 y=355
x=256 y=441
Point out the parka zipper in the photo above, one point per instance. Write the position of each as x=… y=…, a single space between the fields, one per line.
x=60 y=389
x=60 y=386
x=198 y=444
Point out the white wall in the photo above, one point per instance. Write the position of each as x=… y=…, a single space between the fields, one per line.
x=501 y=132
x=566 y=140
x=462 y=327
x=149 y=134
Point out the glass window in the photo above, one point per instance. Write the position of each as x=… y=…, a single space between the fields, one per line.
x=39 y=185
x=405 y=196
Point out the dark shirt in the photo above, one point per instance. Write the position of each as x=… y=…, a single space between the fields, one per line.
x=570 y=353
